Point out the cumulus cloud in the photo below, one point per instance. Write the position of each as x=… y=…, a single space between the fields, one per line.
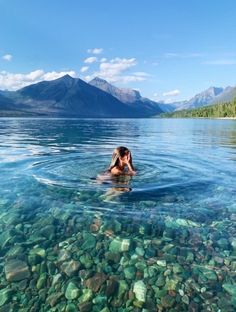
x=95 y=51
x=102 y=60
x=116 y=69
x=84 y=69
x=13 y=81
x=90 y=60
x=7 y=57
x=171 y=93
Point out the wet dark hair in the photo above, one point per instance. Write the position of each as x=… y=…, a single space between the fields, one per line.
x=120 y=151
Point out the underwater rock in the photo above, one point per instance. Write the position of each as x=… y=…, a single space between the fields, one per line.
x=123 y=287
x=85 y=306
x=130 y=272
x=119 y=245
x=41 y=283
x=72 y=291
x=86 y=260
x=230 y=289
x=64 y=255
x=96 y=281
x=54 y=298
x=86 y=296
x=16 y=270
x=161 y=263
x=167 y=301
x=89 y=241
x=70 y=268
x=140 y=291
x=5 y=296
x=112 y=287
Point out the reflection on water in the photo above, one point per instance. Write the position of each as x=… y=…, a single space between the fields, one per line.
x=163 y=240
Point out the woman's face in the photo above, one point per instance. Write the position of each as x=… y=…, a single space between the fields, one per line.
x=125 y=158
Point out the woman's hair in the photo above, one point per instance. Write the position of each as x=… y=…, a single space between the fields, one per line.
x=120 y=151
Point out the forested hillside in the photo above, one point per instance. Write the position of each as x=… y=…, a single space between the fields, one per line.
x=227 y=109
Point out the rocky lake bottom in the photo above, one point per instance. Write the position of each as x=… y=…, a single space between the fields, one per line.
x=158 y=247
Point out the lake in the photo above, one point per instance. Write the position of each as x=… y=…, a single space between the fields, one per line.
x=162 y=240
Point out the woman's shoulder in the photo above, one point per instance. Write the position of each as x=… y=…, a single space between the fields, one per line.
x=115 y=170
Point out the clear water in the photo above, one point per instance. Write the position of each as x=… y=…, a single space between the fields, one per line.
x=180 y=209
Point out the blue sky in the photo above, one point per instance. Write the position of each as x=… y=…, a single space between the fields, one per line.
x=167 y=49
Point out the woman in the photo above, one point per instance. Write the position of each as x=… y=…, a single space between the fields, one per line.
x=119 y=174
x=121 y=163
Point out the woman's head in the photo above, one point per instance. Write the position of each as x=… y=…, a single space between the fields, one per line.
x=119 y=153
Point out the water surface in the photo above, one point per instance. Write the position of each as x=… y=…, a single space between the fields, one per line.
x=180 y=209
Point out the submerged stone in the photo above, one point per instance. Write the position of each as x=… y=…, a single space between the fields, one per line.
x=70 y=268
x=89 y=241
x=5 y=296
x=119 y=245
x=230 y=289
x=96 y=281
x=72 y=291
x=16 y=270
x=86 y=296
x=140 y=291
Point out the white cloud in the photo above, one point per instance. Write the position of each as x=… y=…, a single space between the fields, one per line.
x=12 y=81
x=171 y=93
x=84 y=69
x=7 y=57
x=102 y=60
x=95 y=51
x=221 y=62
x=90 y=60
x=115 y=71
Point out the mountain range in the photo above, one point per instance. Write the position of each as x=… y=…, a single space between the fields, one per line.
x=73 y=97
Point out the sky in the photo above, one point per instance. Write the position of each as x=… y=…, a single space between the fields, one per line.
x=169 y=50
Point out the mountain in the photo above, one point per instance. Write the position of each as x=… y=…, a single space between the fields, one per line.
x=202 y=99
x=69 y=97
x=227 y=95
x=141 y=105
x=222 y=110
x=72 y=97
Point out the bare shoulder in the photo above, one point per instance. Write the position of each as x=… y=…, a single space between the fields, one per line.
x=116 y=171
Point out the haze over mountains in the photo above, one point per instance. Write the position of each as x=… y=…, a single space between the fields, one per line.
x=73 y=97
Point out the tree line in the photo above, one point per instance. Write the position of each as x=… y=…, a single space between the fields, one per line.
x=227 y=109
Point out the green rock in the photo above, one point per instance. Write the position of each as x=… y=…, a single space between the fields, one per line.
x=89 y=241
x=130 y=272
x=5 y=296
x=171 y=284
x=160 y=281
x=138 y=304
x=139 y=251
x=5 y=237
x=161 y=263
x=177 y=269
x=86 y=260
x=72 y=291
x=119 y=245
x=223 y=243
x=38 y=251
x=105 y=310
x=123 y=287
x=230 y=289
x=42 y=281
x=86 y=296
x=71 y=307
x=100 y=300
